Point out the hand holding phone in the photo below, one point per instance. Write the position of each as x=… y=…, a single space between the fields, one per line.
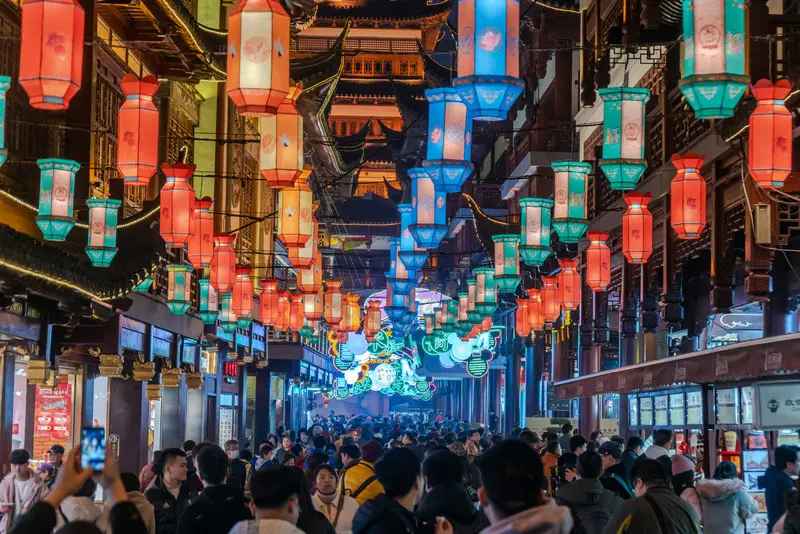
x=93 y=448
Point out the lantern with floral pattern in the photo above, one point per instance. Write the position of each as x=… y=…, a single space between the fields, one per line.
x=770 y=139
x=179 y=288
x=569 y=212
x=223 y=263
x=281 y=153
x=637 y=228
x=56 y=198
x=177 y=204
x=412 y=255
x=101 y=246
x=430 y=226
x=506 y=262
x=295 y=210
x=598 y=262
x=200 y=247
x=449 y=140
x=569 y=284
x=137 y=130
x=623 y=135
x=688 y=197
x=208 y=302
x=535 y=230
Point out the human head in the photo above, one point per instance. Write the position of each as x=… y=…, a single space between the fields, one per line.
x=475 y=435
x=590 y=465
x=554 y=447
x=319 y=442
x=497 y=438
x=232 y=449
x=410 y=438
x=304 y=435
x=289 y=459
x=286 y=443
x=325 y=479
x=212 y=466
x=725 y=470
x=172 y=465
x=577 y=444
x=636 y=445
x=400 y=474
x=647 y=473
x=45 y=472
x=526 y=437
x=352 y=431
x=786 y=459
x=350 y=453
x=130 y=482
x=442 y=466
x=19 y=459
x=512 y=480
x=566 y=428
x=662 y=438
x=189 y=445
x=610 y=452
x=266 y=449
x=275 y=494
x=55 y=455
x=371 y=452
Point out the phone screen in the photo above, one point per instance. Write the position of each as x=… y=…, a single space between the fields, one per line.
x=93 y=448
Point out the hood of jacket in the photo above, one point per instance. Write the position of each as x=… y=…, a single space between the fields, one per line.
x=719 y=490
x=582 y=492
x=450 y=500
x=81 y=509
x=546 y=519
x=381 y=508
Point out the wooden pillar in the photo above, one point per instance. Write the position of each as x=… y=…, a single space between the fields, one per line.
x=512 y=391
x=757 y=258
x=709 y=434
x=629 y=319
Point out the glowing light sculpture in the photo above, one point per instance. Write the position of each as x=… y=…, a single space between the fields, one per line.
x=624 y=135
x=770 y=138
x=412 y=256
x=179 y=288
x=488 y=57
x=334 y=302
x=258 y=56
x=227 y=319
x=281 y=152
x=506 y=262
x=485 y=291
x=449 y=140
x=569 y=212
x=208 y=302
x=637 y=228
x=535 y=230
x=137 y=130
x=430 y=226
x=598 y=262
x=101 y=245
x=295 y=208
x=714 y=45
x=569 y=284
x=56 y=197
x=200 y=247
x=242 y=304
x=400 y=279
x=551 y=303
x=5 y=83
x=688 y=196
x=177 y=204
x=51 y=52
x=223 y=263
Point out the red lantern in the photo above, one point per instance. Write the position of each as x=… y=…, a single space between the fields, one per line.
x=281 y=318
x=637 y=228
x=223 y=263
x=137 y=130
x=295 y=221
x=200 y=248
x=296 y=312
x=334 y=302
x=688 y=197
x=242 y=304
x=598 y=261
x=281 y=153
x=177 y=204
x=551 y=306
x=569 y=284
x=258 y=56
x=521 y=324
x=535 y=315
x=268 y=301
x=51 y=52
x=770 y=154
x=372 y=320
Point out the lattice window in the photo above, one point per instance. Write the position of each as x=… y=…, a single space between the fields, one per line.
x=594 y=140
x=686 y=127
x=108 y=99
x=685 y=249
x=615 y=288
x=655 y=264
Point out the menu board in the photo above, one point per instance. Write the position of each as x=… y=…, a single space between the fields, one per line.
x=747 y=405
x=662 y=411
x=646 y=411
x=694 y=407
x=677 y=415
x=727 y=406
x=633 y=411
x=225 y=425
x=53 y=413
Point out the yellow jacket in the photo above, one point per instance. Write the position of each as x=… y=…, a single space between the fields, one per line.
x=357 y=476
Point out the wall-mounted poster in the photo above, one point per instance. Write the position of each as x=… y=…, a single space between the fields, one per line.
x=694 y=408
x=777 y=405
x=728 y=406
x=747 y=405
x=677 y=414
x=53 y=413
x=751 y=480
x=761 y=501
x=662 y=410
x=646 y=411
x=757 y=524
x=755 y=460
x=633 y=411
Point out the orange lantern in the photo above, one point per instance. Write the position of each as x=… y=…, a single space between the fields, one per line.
x=296 y=312
x=200 y=248
x=242 y=304
x=521 y=324
x=313 y=305
x=534 y=307
x=304 y=257
x=295 y=224
x=280 y=318
x=223 y=263
x=372 y=320
x=354 y=319
x=333 y=302
x=688 y=197
x=551 y=306
x=268 y=301
x=637 y=228
x=258 y=56
x=569 y=284
x=310 y=280
x=598 y=261
x=177 y=204
x=51 y=52
x=281 y=153
x=137 y=130
x=770 y=154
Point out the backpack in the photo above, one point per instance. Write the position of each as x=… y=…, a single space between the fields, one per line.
x=589 y=519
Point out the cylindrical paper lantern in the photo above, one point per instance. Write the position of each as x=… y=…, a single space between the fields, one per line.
x=179 y=288
x=137 y=130
x=551 y=303
x=569 y=212
x=506 y=262
x=223 y=263
x=770 y=138
x=281 y=154
x=598 y=262
x=333 y=301
x=200 y=247
x=309 y=280
x=295 y=208
x=449 y=140
x=400 y=279
x=303 y=257
x=56 y=197
x=472 y=291
x=101 y=245
x=372 y=320
x=623 y=135
x=569 y=284
x=242 y=293
x=534 y=307
x=412 y=255
x=177 y=202
x=637 y=228
x=227 y=319
x=208 y=302
x=688 y=197
x=485 y=291
x=535 y=230
x=431 y=210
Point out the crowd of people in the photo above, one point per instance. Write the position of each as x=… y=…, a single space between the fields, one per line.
x=399 y=476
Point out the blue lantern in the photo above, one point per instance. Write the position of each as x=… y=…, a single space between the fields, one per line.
x=5 y=82
x=208 y=303
x=56 y=197
x=430 y=207
x=400 y=279
x=623 y=135
x=449 y=140
x=569 y=213
x=488 y=57
x=412 y=256
x=396 y=307
x=101 y=245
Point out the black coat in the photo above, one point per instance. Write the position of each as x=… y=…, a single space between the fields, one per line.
x=215 y=511
x=614 y=479
x=314 y=522
x=629 y=458
x=383 y=515
x=166 y=508
x=238 y=474
x=452 y=501
x=124 y=519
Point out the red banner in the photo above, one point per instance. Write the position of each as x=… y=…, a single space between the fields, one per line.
x=53 y=413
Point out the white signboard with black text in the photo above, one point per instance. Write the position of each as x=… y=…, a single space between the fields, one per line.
x=777 y=405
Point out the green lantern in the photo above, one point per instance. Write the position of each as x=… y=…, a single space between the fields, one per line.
x=485 y=291
x=179 y=288
x=227 y=319
x=56 y=197
x=5 y=83
x=449 y=315
x=101 y=243
x=624 y=135
x=506 y=262
x=208 y=303
x=472 y=292
x=463 y=325
x=569 y=212
x=535 y=230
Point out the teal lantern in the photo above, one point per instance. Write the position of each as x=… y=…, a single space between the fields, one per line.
x=473 y=314
x=144 y=286
x=208 y=302
x=227 y=319
x=714 y=46
x=506 y=262
x=5 y=82
x=569 y=212
x=449 y=140
x=56 y=197
x=623 y=135
x=535 y=230
x=101 y=245
x=485 y=291
x=179 y=288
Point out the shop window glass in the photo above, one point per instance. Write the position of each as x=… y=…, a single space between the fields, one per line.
x=194 y=414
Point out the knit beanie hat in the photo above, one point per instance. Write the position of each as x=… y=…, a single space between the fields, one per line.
x=371 y=451
x=681 y=463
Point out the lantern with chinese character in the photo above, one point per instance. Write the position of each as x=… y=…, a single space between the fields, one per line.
x=281 y=153
x=333 y=302
x=258 y=56
x=485 y=291
x=488 y=57
x=506 y=262
x=227 y=319
x=569 y=212
x=472 y=291
x=296 y=317
x=280 y=317
x=5 y=82
x=243 y=293
x=714 y=46
x=208 y=304
x=623 y=135
x=310 y=280
x=521 y=325
x=303 y=257
x=56 y=197
x=314 y=305
x=688 y=197
x=569 y=284
x=295 y=209
x=179 y=288
x=449 y=140
x=200 y=247
x=223 y=263
x=551 y=303
x=101 y=246
x=535 y=244
x=372 y=320
x=268 y=300
x=400 y=279
x=412 y=255
x=51 y=52
x=637 y=228
x=137 y=130
x=598 y=262
x=534 y=307
x=430 y=226
x=770 y=139
x=177 y=204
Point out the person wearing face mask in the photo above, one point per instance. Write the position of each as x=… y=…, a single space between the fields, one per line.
x=338 y=509
x=239 y=468
x=170 y=494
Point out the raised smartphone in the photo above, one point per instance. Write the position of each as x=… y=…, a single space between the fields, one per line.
x=93 y=448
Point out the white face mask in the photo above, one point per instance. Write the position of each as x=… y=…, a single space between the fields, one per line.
x=233 y=455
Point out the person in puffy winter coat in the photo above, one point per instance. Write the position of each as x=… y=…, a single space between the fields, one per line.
x=725 y=502
x=683 y=482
